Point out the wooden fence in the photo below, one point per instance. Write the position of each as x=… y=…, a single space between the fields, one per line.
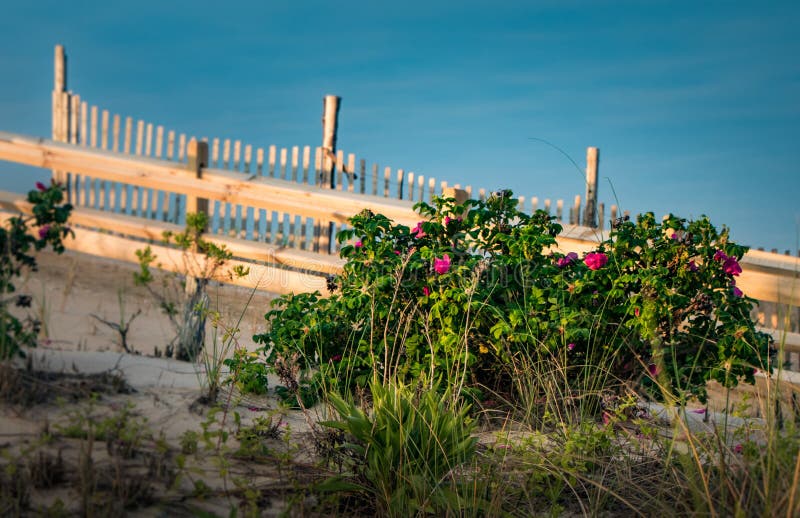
x=77 y=122
x=771 y=278
x=131 y=183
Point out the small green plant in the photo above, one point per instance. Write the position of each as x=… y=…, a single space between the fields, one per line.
x=18 y=242
x=202 y=261
x=406 y=451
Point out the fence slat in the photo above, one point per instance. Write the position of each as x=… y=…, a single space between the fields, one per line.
x=351 y=172
x=159 y=141
x=282 y=171
x=115 y=134
x=215 y=153
x=306 y=164
x=400 y=177
x=374 y=179
x=226 y=154
x=271 y=162
x=248 y=157
x=362 y=176
x=260 y=161
x=295 y=162
x=237 y=151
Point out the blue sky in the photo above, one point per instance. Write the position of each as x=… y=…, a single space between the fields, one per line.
x=695 y=106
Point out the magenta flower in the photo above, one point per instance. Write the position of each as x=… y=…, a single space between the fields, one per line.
x=719 y=255
x=43 y=231
x=447 y=220
x=426 y=291
x=738 y=448
x=652 y=369
x=397 y=252
x=442 y=265
x=698 y=411
x=42 y=187
x=570 y=346
x=606 y=418
x=336 y=357
x=595 y=260
x=567 y=260
x=359 y=244
x=418 y=231
x=736 y=291
x=692 y=266
x=636 y=312
x=731 y=266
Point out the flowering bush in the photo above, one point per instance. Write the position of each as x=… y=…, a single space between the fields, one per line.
x=473 y=287
x=17 y=242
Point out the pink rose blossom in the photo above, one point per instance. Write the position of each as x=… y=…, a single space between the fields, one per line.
x=426 y=291
x=731 y=266
x=336 y=357
x=698 y=411
x=652 y=369
x=692 y=266
x=738 y=449
x=595 y=260
x=43 y=231
x=570 y=346
x=442 y=265
x=418 y=231
x=397 y=252
x=736 y=291
x=447 y=220
x=720 y=255
x=567 y=260
x=41 y=186
x=636 y=311
x=359 y=244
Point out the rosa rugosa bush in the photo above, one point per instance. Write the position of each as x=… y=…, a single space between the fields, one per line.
x=470 y=289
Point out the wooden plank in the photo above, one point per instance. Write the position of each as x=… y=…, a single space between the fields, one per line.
x=181 y=147
x=226 y=154
x=295 y=162
x=148 y=145
x=339 y=167
x=411 y=186
x=115 y=133
x=400 y=176
x=248 y=157
x=170 y=144
x=237 y=154
x=159 y=140
x=306 y=163
x=214 y=153
x=387 y=172
x=260 y=161
x=84 y=131
x=139 y=137
x=282 y=172
x=272 y=161
x=351 y=172
x=362 y=176
x=317 y=165
x=128 y=134
x=104 y=130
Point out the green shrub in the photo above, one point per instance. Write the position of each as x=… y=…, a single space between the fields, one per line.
x=17 y=243
x=473 y=288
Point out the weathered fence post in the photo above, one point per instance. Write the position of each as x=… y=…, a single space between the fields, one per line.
x=192 y=333
x=592 y=163
x=196 y=160
x=60 y=114
x=330 y=124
